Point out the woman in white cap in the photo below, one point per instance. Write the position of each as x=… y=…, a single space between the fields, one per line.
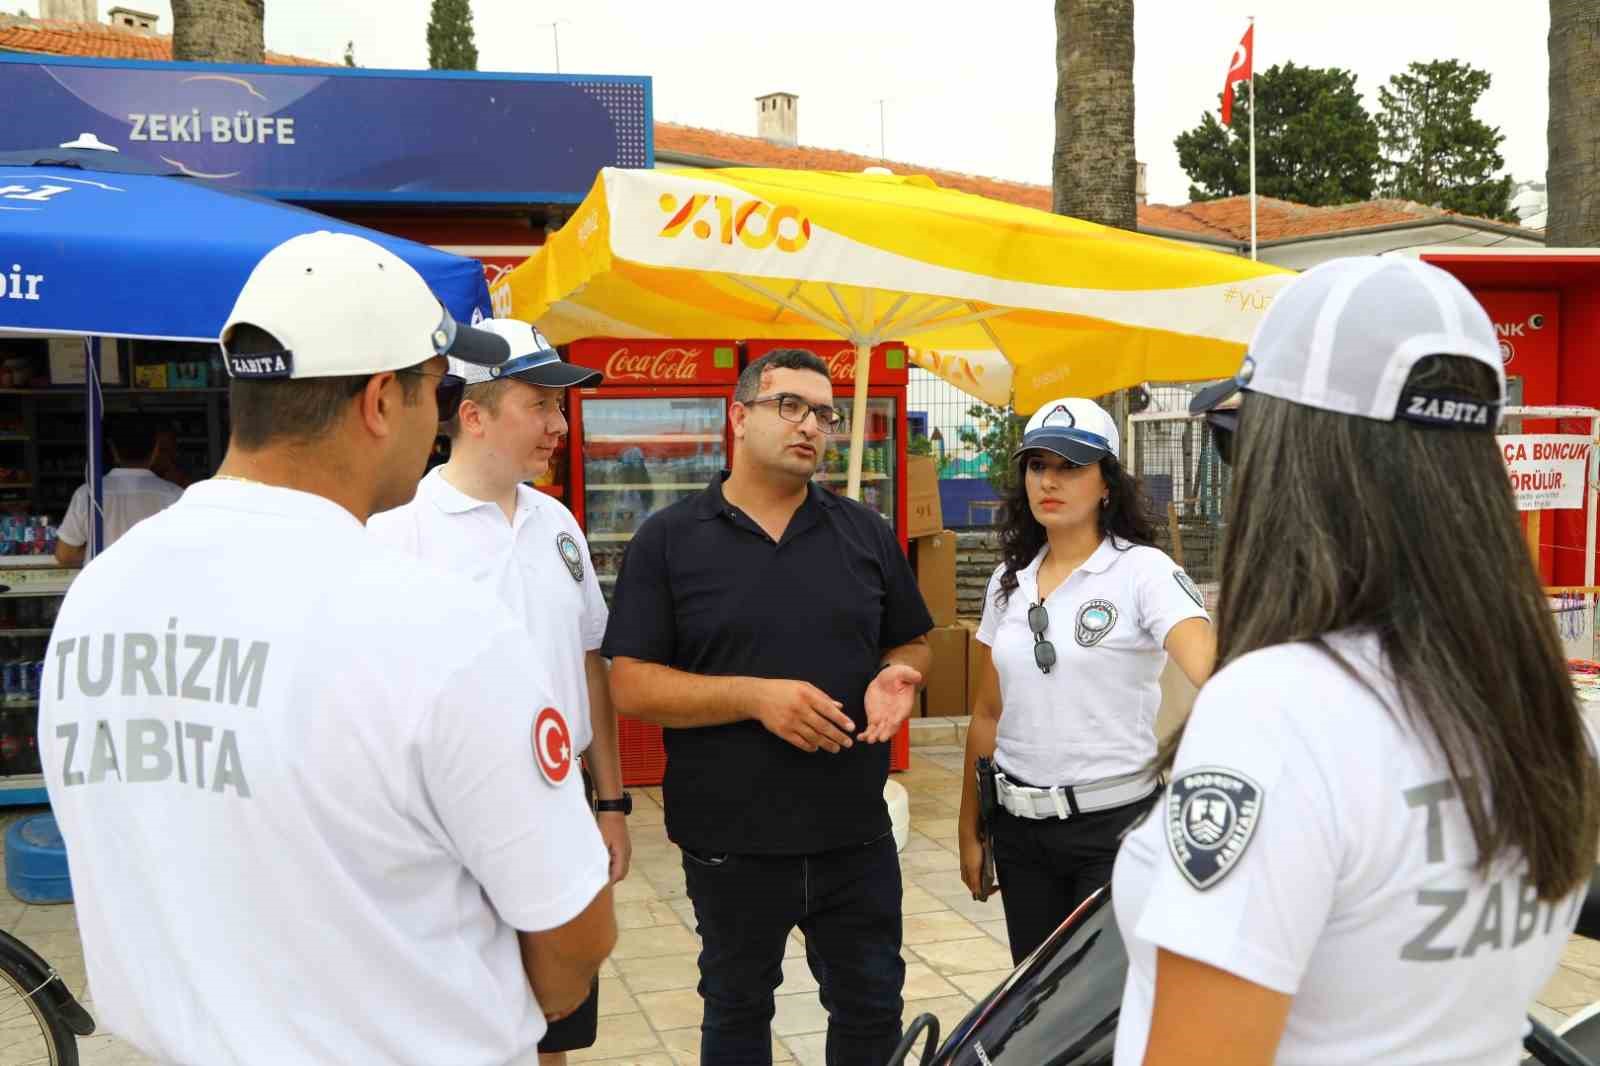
x=1080 y=617
x=1384 y=805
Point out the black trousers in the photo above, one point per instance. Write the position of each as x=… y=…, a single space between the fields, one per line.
x=1047 y=866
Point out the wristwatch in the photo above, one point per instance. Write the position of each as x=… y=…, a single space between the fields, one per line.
x=623 y=805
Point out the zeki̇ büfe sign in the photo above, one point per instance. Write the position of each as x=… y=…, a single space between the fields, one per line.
x=1548 y=471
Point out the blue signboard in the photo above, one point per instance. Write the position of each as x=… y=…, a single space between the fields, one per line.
x=338 y=133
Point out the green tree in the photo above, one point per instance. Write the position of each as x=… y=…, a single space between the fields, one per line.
x=450 y=45
x=1315 y=143
x=998 y=434
x=1573 y=134
x=1435 y=151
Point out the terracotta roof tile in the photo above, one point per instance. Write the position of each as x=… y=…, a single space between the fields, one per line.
x=104 y=41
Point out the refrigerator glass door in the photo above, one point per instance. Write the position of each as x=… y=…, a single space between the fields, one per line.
x=879 y=462
x=639 y=455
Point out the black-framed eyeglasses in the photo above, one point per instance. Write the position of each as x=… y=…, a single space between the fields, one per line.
x=1044 y=652
x=447 y=394
x=792 y=408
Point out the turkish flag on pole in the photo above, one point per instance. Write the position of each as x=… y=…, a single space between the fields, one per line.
x=1239 y=70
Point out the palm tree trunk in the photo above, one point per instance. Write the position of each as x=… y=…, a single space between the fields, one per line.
x=1574 y=130
x=218 y=31
x=1093 y=170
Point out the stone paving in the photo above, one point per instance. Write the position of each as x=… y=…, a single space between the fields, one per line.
x=955 y=949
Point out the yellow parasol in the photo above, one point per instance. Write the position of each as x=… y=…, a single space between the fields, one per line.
x=1073 y=308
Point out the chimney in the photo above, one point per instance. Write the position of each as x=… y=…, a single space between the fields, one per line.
x=778 y=118
x=1139 y=187
x=125 y=18
x=69 y=10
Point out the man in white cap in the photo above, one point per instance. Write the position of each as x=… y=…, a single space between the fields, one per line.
x=477 y=517
x=318 y=797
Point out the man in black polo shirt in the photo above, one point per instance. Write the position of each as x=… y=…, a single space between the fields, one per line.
x=777 y=632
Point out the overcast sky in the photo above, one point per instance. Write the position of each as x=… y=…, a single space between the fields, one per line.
x=968 y=86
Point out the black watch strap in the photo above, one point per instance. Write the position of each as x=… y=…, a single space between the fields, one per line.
x=623 y=805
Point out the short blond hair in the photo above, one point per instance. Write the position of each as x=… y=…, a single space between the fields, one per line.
x=487 y=395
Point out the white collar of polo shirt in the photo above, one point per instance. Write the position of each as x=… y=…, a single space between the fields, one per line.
x=1098 y=563
x=255 y=497
x=451 y=500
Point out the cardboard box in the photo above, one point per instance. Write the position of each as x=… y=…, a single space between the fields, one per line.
x=977 y=662
x=934 y=559
x=924 y=516
x=946 y=689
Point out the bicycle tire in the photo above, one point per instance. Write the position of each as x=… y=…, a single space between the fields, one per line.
x=60 y=1044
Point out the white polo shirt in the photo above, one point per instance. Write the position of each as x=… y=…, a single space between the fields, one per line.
x=1311 y=843
x=537 y=565
x=127 y=496
x=1093 y=715
x=297 y=779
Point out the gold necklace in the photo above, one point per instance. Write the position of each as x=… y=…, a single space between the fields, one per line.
x=241 y=480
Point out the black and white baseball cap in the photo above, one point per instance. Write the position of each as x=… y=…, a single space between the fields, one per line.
x=343 y=306
x=1078 y=430
x=1345 y=335
x=533 y=359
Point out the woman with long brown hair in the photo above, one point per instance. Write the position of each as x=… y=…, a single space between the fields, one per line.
x=1384 y=804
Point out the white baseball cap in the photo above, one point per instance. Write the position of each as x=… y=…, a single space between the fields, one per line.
x=533 y=359
x=1078 y=430
x=1345 y=335
x=343 y=306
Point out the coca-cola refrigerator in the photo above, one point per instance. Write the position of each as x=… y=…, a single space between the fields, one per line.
x=883 y=462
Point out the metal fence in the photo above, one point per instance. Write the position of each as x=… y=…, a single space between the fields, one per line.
x=1186 y=483
x=946 y=408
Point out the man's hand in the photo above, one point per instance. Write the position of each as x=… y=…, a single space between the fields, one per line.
x=890 y=698
x=803 y=715
x=614 y=832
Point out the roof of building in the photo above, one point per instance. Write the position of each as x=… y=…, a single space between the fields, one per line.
x=18 y=33
x=1226 y=220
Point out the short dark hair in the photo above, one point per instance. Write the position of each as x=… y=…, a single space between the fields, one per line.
x=777 y=359
x=298 y=410
x=132 y=436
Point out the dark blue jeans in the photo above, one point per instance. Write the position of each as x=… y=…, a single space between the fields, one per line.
x=846 y=902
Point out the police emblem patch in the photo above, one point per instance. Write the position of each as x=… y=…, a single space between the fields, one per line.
x=571 y=554
x=1095 y=619
x=1186 y=583
x=1211 y=815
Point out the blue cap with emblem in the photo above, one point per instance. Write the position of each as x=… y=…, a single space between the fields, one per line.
x=1344 y=336
x=1078 y=430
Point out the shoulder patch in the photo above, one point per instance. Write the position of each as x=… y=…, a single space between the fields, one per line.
x=1212 y=814
x=552 y=745
x=1186 y=583
x=571 y=554
x=1095 y=619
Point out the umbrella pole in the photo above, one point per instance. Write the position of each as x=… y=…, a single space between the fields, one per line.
x=94 y=411
x=858 y=419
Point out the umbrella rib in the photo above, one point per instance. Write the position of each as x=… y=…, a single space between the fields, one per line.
x=777 y=312
x=838 y=301
x=916 y=322
x=927 y=326
x=881 y=326
x=810 y=313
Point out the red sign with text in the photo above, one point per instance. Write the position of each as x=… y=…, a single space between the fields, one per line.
x=1527 y=324
x=889 y=362
x=626 y=361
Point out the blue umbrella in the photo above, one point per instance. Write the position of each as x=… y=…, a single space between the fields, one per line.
x=106 y=246
x=99 y=245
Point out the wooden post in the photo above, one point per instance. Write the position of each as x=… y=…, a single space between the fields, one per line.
x=1531 y=531
x=1177 y=533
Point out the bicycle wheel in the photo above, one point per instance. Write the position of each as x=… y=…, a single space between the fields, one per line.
x=29 y=1034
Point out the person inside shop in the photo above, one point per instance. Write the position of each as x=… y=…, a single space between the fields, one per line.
x=1080 y=618
x=131 y=491
x=777 y=632
x=167 y=463
x=1384 y=808
x=318 y=796
x=475 y=517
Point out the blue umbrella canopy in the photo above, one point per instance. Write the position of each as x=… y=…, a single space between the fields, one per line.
x=93 y=243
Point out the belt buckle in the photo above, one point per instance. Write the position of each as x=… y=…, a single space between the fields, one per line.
x=1059 y=796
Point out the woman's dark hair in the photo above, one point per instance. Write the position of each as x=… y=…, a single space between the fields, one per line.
x=1337 y=522
x=1124 y=518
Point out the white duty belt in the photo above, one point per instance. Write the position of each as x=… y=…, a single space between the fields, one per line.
x=1064 y=801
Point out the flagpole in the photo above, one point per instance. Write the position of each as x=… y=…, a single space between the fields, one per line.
x=1252 y=138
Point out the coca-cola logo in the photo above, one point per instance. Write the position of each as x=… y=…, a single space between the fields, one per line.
x=842 y=365
x=669 y=364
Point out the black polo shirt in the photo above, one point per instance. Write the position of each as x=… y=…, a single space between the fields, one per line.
x=705 y=590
